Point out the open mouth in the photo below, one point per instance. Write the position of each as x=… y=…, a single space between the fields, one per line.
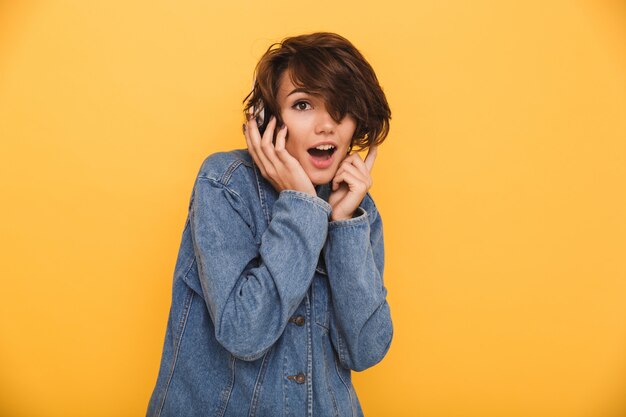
x=322 y=151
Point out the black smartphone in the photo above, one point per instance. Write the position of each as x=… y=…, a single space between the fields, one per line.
x=263 y=116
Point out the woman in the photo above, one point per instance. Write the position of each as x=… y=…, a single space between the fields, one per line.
x=278 y=290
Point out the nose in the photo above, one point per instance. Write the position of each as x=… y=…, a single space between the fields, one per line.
x=325 y=123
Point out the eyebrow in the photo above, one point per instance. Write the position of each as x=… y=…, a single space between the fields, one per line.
x=299 y=90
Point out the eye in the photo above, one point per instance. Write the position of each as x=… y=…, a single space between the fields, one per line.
x=301 y=105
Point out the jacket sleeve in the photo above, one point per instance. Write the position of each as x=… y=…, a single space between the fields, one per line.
x=360 y=328
x=251 y=288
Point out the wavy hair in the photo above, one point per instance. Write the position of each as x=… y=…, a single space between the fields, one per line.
x=329 y=66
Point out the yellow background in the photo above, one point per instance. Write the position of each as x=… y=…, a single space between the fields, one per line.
x=502 y=186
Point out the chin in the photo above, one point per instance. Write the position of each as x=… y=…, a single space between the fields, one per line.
x=319 y=178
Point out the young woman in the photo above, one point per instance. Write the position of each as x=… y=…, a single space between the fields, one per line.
x=278 y=288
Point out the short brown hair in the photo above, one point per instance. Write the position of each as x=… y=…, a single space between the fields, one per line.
x=327 y=65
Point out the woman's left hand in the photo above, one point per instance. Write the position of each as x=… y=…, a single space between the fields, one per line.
x=350 y=184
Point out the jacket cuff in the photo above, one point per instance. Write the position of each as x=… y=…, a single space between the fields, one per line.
x=293 y=194
x=359 y=218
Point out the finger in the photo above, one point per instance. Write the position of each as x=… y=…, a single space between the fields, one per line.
x=341 y=172
x=335 y=180
x=250 y=113
x=267 y=147
x=253 y=131
x=255 y=139
x=353 y=182
x=338 y=186
x=252 y=150
x=356 y=161
x=358 y=174
x=281 y=139
x=269 y=130
x=371 y=156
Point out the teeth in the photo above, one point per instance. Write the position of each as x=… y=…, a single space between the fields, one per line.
x=324 y=147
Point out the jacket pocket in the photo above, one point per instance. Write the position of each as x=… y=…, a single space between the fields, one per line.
x=321 y=303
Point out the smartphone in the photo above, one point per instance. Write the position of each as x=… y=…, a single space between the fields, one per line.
x=263 y=117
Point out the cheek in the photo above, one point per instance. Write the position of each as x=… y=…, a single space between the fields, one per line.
x=292 y=146
x=349 y=130
x=289 y=145
x=346 y=131
x=292 y=143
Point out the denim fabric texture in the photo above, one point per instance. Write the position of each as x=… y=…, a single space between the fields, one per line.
x=273 y=304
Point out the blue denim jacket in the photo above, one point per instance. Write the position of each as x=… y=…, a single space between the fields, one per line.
x=273 y=304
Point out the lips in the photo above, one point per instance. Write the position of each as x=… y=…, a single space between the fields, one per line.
x=321 y=155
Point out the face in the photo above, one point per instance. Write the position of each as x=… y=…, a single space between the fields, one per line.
x=317 y=141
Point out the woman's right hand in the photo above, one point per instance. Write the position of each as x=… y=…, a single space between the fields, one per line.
x=276 y=164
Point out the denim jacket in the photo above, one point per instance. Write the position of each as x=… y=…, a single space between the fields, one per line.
x=273 y=304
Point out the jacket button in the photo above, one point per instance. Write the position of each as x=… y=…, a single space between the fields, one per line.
x=300 y=378
x=298 y=320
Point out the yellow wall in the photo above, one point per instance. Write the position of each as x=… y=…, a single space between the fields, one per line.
x=502 y=186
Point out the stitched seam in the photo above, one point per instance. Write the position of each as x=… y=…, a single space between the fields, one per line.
x=309 y=200
x=351 y=223
x=226 y=175
x=181 y=329
x=228 y=389
x=220 y=184
x=347 y=388
x=322 y=326
x=261 y=194
x=330 y=391
x=324 y=308
x=229 y=171
x=285 y=396
x=238 y=197
x=369 y=218
x=341 y=348
x=257 y=385
x=309 y=357
x=184 y=276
